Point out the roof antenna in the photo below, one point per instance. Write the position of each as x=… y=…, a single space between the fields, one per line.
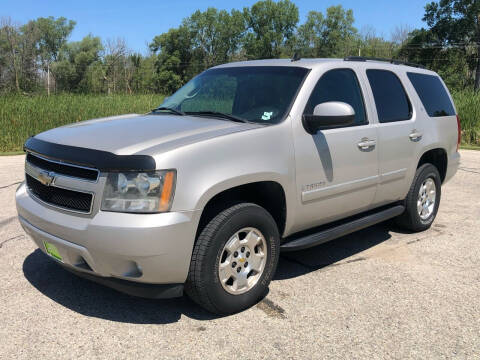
x=296 y=56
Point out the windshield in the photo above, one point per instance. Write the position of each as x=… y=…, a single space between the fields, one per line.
x=260 y=94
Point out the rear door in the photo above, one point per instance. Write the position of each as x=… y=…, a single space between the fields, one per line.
x=436 y=103
x=336 y=169
x=400 y=132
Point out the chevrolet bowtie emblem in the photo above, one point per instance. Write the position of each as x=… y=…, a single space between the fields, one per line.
x=46 y=177
x=241 y=260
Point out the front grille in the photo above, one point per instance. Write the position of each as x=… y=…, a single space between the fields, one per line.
x=67 y=199
x=63 y=169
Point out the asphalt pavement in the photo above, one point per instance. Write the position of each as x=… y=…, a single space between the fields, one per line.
x=375 y=294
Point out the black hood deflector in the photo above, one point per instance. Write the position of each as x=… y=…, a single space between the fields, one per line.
x=98 y=159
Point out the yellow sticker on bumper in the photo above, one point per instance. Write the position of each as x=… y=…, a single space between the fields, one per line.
x=52 y=250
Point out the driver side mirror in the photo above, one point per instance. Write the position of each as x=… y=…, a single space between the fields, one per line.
x=328 y=115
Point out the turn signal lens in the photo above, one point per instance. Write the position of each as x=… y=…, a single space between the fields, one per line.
x=167 y=191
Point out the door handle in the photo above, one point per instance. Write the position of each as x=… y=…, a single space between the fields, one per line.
x=366 y=144
x=415 y=135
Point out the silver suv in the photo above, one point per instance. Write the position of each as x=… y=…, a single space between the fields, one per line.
x=246 y=160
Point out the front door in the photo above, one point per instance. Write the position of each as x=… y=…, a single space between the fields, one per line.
x=336 y=169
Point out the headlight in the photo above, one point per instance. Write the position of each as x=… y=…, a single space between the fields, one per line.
x=139 y=192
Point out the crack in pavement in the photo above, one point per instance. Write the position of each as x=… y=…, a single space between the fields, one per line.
x=10 y=239
x=7 y=186
x=468 y=170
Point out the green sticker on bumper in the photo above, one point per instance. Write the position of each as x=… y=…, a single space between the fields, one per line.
x=52 y=250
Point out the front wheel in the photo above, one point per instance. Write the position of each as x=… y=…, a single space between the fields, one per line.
x=234 y=259
x=423 y=200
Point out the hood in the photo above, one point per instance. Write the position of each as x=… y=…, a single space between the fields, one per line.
x=134 y=134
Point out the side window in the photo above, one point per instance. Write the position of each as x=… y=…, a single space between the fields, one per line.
x=390 y=97
x=432 y=93
x=339 y=85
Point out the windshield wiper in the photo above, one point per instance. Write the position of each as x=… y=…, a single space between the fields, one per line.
x=173 y=111
x=218 y=114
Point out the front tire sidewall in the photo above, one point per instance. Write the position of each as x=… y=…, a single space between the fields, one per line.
x=254 y=217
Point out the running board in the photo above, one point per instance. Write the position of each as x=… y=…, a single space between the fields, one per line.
x=330 y=233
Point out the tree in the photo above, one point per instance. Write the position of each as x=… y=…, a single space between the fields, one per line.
x=423 y=47
x=173 y=65
x=28 y=52
x=456 y=23
x=114 y=60
x=141 y=70
x=270 y=26
x=74 y=62
x=339 y=34
x=400 y=33
x=373 y=45
x=216 y=34
x=52 y=35
x=10 y=38
x=309 y=34
x=332 y=35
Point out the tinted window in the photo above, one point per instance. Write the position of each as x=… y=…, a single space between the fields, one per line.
x=256 y=93
x=432 y=93
x=339 y=85
x=390 y=98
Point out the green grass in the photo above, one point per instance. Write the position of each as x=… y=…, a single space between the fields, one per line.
x=470 y=147
x=468 y=108
x=23 y=116
x=9 y=153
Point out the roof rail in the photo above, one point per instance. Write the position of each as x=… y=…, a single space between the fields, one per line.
x=391 y=61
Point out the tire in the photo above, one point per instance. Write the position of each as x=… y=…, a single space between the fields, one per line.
x=411 y=219
x=204 y=285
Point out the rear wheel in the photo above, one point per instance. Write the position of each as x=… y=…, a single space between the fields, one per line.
x=423 y=200
x=234 y=259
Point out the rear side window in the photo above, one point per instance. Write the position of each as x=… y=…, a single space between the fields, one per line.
x=339 y=85
x=432 y=93
x=390 y=97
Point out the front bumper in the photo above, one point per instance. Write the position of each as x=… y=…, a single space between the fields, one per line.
x=144 y=248
x=145 y=290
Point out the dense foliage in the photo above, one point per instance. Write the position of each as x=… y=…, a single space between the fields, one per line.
x=37 y=57
x=451 y=44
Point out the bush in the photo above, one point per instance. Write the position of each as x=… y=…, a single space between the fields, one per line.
x=467 y=103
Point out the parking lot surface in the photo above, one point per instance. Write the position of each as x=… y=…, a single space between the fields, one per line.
x=377 y=293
